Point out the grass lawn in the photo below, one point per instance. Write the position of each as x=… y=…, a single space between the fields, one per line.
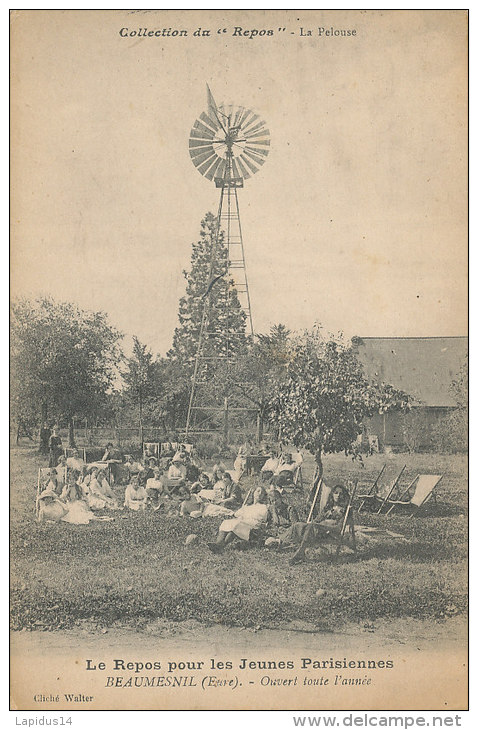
x=136 y=568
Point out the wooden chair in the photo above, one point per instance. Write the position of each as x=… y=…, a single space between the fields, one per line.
x=379 y=494
x=43 y=475
x=423 y=487
x=298 y=480
x=372 y=492
x=347 y=528
x=68 y=451
x=151 y=449
x=348 y=525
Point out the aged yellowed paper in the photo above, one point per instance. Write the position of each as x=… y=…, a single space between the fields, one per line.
x=332 y=146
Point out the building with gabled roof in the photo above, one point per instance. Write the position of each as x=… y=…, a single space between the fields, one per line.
x=423 y=367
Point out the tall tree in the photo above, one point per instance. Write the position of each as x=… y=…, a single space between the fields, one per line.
x=325 y=397
x=140 y=377
x=210 y=289
x=63 y=358
x=208 y=285
x=255 y=374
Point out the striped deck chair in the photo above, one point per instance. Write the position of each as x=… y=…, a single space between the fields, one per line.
x=151 y=449
x=379 y=494
x=417 y=493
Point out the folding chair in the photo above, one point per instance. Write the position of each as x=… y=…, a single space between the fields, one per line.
x=68 y=451
x=347 y=528
x=393 y=486
x=298 y=477
x=43 y=478
x=372 y=492
x=348 y=524
x=424 y=485
x=380 y=493
x=322 y=492
x=151 y=449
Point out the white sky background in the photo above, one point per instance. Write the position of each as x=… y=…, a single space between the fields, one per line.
x=357 y=219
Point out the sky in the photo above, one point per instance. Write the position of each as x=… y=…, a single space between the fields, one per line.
x=357 y=220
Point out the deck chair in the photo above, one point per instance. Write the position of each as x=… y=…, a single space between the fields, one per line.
x=298 y=480
x=68 y=451
x=380 y=493
x=151 y=449
x=187 y=447
x=423 y=487
x=383 y=492
x=348 y=526
x=322 y=492
x=43 y=478
x=371 y=494
x=93 y=454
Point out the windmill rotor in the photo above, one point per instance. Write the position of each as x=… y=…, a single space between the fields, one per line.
x=228 y=142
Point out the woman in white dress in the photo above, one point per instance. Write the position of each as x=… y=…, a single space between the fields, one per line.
x=135 y=496
x=78 y=511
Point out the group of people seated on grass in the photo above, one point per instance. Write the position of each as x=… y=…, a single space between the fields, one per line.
x=252 y=523
x=174 y=485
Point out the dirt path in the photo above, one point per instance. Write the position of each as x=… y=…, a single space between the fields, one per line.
x=410 y=633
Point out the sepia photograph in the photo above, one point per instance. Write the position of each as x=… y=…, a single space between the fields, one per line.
x=239 y=360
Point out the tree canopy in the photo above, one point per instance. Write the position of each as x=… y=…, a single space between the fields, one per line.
x=63 y=358
x=324 y=398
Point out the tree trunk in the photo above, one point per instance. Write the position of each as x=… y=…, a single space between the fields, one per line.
x=320 y=466
x=71 y=433
x=43 y=418
x=226 y=421
x=259 y=427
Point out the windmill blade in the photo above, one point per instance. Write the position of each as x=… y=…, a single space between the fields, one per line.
x=212 y=170
x=252 y=130
x=210 y=122
x=199 y=143
x=221 y=169
x=245 y=174
x=199 y=159
x=255 y=158
x=250 y=121
x=199 y=135
x=238 y=116
x=206 y=132
x=207 y=158
x=263 y=151
x=206 y=165
x=250 y=165
x=265 y=134
x=235 y=170
x=196 y=151
x=244 y=117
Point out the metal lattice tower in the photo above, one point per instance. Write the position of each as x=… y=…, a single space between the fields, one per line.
x=227 y=145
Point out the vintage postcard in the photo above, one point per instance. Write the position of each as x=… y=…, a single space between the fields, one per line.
x=239 y=360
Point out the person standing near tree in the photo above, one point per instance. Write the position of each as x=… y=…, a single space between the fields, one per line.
x=45 y=434
x=55 y=447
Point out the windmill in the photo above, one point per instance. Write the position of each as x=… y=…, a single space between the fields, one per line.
x=227 y=144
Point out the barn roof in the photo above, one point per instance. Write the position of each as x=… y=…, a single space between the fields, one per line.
x=423 y=367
